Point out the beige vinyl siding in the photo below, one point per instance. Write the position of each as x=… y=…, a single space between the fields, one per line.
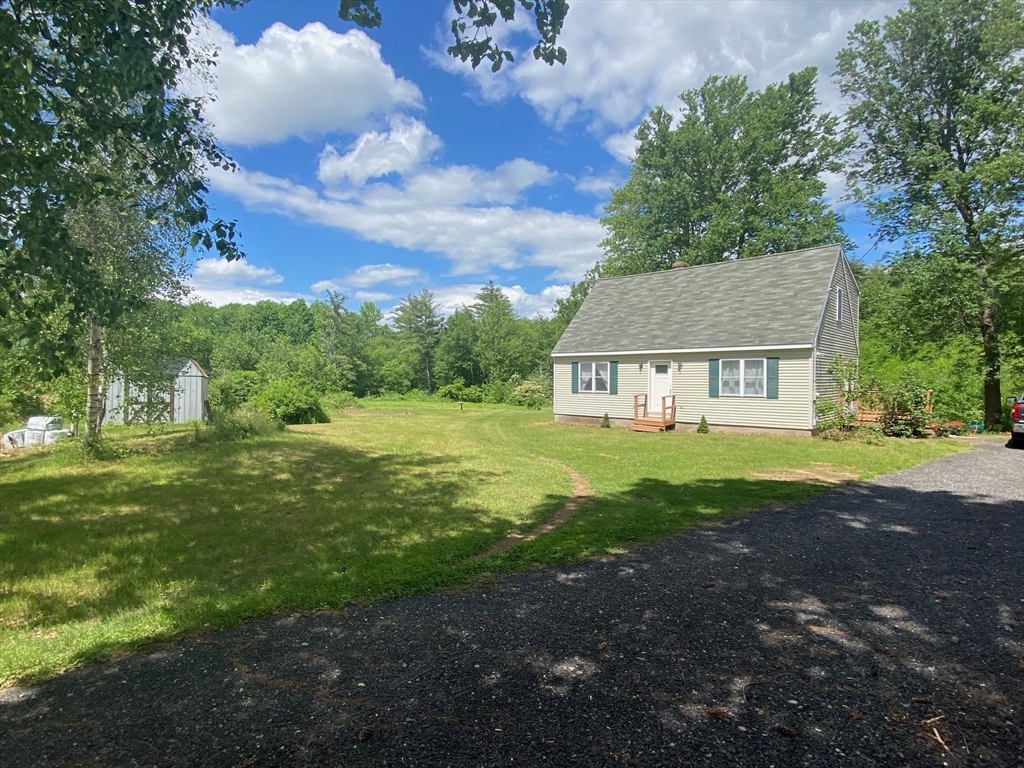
x=690 y=384
x=837 y=338
x=632 y=381
x=791 y=411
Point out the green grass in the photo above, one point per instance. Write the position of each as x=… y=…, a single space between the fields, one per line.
x=395 y=499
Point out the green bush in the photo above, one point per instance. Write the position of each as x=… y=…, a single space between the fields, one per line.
x=290 y=402
x=903 y=411
x=499 y=392
x=232 y=390
x=703 y=427
x=833 y=422
x=606 y=423
x=458 y=392
x=530 y=394
x=240 y=425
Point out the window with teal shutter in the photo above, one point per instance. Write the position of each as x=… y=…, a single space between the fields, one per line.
x=613 y=384
x=712 y=378
x=575 y=378
x=772 y=389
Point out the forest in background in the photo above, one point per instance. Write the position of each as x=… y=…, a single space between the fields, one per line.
x=94 y=272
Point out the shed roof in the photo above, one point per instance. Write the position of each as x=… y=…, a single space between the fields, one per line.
x=772 y=300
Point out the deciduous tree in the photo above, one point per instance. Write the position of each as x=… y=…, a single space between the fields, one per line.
x=738 y=173
x=937 y=106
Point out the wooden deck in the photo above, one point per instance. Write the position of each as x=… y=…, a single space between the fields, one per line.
x=644 y=421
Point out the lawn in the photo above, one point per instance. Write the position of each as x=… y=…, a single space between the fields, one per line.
x=394 y=499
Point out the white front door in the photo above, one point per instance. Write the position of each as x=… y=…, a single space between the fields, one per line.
x=659 y=384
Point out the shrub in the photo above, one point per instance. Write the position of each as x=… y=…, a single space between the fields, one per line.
x=948 y=428
x=240 y=425
x=499 y=392
x=903 y=412
x=232 y=390
x=458 y=392
x=832 y=421
x=606 y=423
x=290 y=402
x=530 y=394
x=703 y=427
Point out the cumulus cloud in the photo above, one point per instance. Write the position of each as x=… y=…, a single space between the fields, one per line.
x=626 y=56
x=622 y=146
x=599 y=186
x=306 y=83
x=462 y=213
x=453 y=297
x=374 y=296
x=403 y=147
x=370 y=275
x=222 y=282
x=239 y=270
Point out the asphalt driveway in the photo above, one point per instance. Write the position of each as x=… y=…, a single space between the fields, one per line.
x=877 y=624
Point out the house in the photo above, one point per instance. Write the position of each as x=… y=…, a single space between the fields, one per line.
x=186 y=399
x=744 y=343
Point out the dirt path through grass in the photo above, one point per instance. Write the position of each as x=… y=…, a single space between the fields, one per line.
x=876 y=624
x=581 y=491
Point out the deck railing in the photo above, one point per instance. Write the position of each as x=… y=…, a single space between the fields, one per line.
x=639 y=407
x=668 y=408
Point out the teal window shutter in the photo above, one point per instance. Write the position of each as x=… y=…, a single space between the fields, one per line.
x=575 y=378
x=773 y=378
x=712 y=378
x=613 y=377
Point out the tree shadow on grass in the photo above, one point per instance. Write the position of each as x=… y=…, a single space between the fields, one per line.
x=651 y=509
x=214 y=534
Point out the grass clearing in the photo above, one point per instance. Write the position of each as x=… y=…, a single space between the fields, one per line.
x=394 y=499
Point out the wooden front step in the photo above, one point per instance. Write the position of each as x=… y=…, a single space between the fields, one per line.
x=637 y=427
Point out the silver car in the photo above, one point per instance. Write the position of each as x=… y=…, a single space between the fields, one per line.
x=1016 y=420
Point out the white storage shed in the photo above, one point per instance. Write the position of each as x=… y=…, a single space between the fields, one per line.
x=187 y=400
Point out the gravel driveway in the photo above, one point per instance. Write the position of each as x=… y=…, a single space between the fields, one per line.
x=876 y=624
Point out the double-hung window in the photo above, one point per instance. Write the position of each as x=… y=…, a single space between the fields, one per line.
x=743 y=378
x=594 y=377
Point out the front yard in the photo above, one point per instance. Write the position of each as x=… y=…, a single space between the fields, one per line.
x=394 y=499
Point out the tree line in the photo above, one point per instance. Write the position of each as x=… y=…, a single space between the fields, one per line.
x=104 y=197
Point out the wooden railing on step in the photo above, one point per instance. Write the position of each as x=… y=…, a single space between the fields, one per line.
x=639 y=407
x=644 y=421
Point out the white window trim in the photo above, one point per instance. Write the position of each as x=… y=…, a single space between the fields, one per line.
x=743 y=383
x=593 y=377
x=839 y=306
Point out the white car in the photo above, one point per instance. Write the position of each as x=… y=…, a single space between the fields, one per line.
x=39 y=430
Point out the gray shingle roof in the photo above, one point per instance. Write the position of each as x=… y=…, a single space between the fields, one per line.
x=768 y=300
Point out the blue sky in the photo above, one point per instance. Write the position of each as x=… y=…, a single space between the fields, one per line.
x=372 y=164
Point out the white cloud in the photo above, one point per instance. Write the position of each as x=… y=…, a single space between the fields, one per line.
x=305 y=83
x=452 y=297
x=242 y=270
x=462 y=213
x=403 y=147
x=599 y=186
x=626 y=56
x=372 y=274
x=622 y=146
x=374 y=296
x=222 y=282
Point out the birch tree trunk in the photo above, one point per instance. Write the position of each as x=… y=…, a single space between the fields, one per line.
x=92 y=434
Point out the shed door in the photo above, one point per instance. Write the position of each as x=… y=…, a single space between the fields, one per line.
x=659 y=384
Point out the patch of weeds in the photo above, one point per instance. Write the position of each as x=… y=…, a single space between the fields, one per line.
x=239 y=425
